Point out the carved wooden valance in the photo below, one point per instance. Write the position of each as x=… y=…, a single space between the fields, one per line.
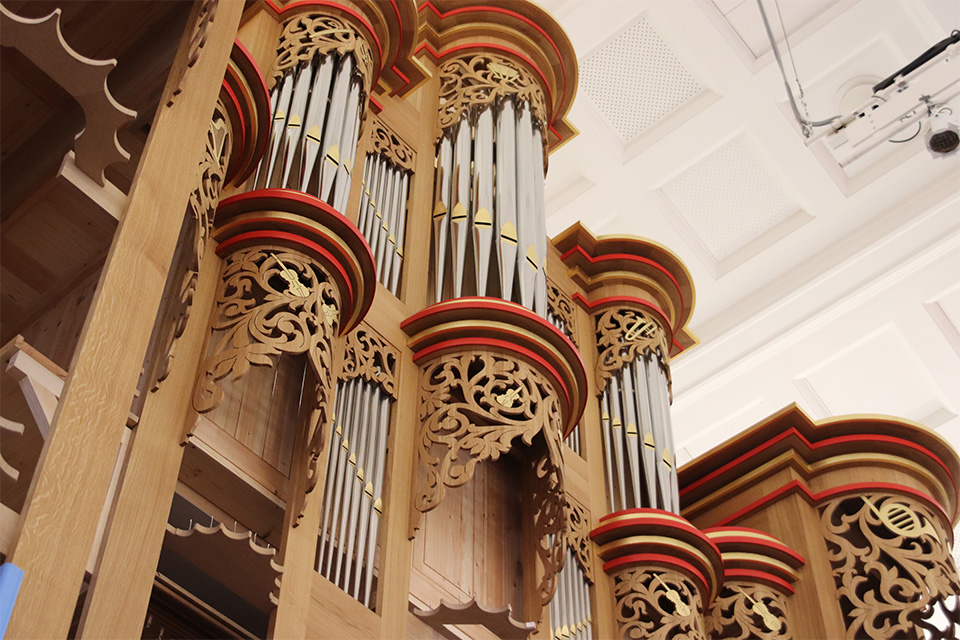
x=657 y=604
x=624 y=334
x=479 y=80
x=561 y=306
x=387 y=143
x=743 y=610
x=578 y=535
x=892 y=565
x=368 y=355
x=308 y=35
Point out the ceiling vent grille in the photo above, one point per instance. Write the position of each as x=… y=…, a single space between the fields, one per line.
x=730 y=198
x=636 y=80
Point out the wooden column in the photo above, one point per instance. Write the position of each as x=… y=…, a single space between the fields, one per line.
x=59 y=521
x=123 y=579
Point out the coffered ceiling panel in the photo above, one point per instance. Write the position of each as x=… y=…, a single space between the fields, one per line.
x=635 y=80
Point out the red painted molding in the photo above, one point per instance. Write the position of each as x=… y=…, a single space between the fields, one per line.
x=624 y=256
x=750 y=575
x=657 y=558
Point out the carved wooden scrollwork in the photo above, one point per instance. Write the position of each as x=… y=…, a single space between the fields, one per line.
x=260 y=315
x=388 y=144
x=200 y=211
x=892 y=566
x=578 y=535
x=623 y=335
x=657 y=605
x=472 y=407
x=561 y=306
x=479 y=79
x=366 y=354
x=307 y=35
x=743 y=610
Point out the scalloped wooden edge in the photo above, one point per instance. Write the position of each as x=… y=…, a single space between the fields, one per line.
x=42 y=42
x=498 y=621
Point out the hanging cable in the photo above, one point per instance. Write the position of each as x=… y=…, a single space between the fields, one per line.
x=805 y=125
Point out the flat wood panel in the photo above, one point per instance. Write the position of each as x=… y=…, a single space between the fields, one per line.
x=334 y=614
x=56 y=332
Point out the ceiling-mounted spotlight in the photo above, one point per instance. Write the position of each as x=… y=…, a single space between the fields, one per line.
x=943 y=138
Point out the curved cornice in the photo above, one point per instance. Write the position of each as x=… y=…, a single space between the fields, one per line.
x=299 y=221
x=498 y=325
x=245 y=97
x=516 y=28
x=754 y=556
x=630 y=269
x=881 y=449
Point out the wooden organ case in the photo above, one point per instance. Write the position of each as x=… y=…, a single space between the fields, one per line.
x=372 y=398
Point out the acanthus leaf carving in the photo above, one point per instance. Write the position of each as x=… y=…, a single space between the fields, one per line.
x=480 y=79
x=655 y=604
x=368 y=355
x=308 y=35
x=473 y=406
x=892 y=567
x=384 y=141
x=578 y=535
x=625 y=334
x=561 y=307
x=742 y=610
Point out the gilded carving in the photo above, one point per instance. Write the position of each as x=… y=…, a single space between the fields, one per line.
x=472 y=407
x=366 y=354
x=654 y=604
x=623 y=335
x=258 y=318
x=744 y=610
x=479 y=80
x=306 y=36
x=560 y=306
x=388 y=144
x=578 y=535
x=892 y=566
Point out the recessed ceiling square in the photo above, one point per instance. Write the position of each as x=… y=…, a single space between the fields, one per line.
x=635 y=80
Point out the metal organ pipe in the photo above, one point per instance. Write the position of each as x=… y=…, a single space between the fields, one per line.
x=317 y=108
x=352 y=499
x=383 y=216
x=570 y=617
x=638 y=438
x=489 y=195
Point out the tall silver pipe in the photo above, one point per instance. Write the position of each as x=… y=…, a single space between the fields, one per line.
x=344 y=482
x=366 y=495
x=332 y=153
x=401 y=228
x=526 y=225
x=649 y=447
x=351 y=494
x=483 y=164
x=460 y=214
x=385 y=409
x=607 y=442
x=276 y=135
x=332 y=508
x=616 y=431
x=441 y=211
x=668 y=428
x=348 y=148
x=630 y=431
x=336 y=436
x=313 y=123
x=540 y=219
x=506 y=194
x=294 y=130
x=659 y=435
x=386 y=204
x=368 y=163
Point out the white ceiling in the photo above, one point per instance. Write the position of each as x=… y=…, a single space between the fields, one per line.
x=836 y=288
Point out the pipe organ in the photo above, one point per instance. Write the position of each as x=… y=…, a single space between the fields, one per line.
x=374 y=399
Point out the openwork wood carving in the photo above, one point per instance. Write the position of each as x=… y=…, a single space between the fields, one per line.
x=200 y=211
x=578 y=535
x=560 y=306
x=480 y=80
x=198 y=38
x=366 y=354
x=657 y=605
x=892 y=566
x=623 y=335
x=259 y=317
x=388 y=144
x=744 y=610
x=306 y=36
x=472 y=407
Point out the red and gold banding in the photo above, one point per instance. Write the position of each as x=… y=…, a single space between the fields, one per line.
x=656 y=538
x=244 y=95
x=493 y=324
x=628 y=271
x=754 y=556
x=295 y=220
x=824 y=454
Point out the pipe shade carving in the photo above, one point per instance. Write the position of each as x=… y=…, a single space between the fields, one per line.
x=657 y=604
x=893 y=567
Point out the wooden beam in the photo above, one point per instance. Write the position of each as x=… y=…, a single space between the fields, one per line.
x=63 y=506
x=123 y=578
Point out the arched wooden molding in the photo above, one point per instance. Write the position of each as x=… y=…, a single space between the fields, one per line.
x=500 y=622
x=41 y=41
